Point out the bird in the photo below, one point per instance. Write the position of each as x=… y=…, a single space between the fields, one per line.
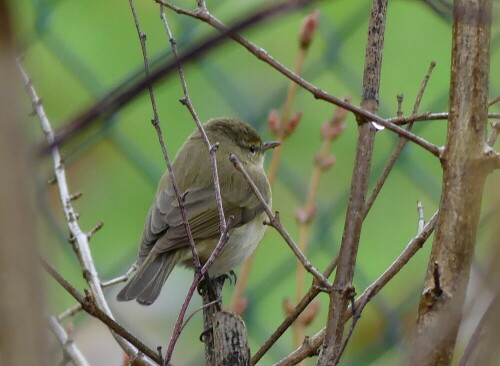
x=165 y=244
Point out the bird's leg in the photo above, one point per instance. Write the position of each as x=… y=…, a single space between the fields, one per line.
x=231 y=276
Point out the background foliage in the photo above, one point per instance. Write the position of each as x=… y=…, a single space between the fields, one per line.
x=77 y=51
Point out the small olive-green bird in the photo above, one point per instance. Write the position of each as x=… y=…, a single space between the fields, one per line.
x=164 y=241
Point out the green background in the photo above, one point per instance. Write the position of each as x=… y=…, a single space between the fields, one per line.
x=77 y=51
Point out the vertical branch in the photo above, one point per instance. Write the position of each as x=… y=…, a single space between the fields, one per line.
x=343 y=289
x=79 y=239
x=442 y=299
x=21 y=288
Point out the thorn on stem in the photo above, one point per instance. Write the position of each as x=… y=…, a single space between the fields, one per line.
x=215 y=147
x=96 y=228
x=400 y=97
x=75 y=196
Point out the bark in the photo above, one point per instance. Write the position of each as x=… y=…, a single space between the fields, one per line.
x=225 y=334
x=21 y=307
x=343 y=289
x=463 y=180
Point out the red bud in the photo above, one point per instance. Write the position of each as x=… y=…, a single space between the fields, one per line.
x=293 y=123
x=287 y=306
x=324 y=162
x=273 y=121
x=309 y=26
x=302 y=215
x=310 y=314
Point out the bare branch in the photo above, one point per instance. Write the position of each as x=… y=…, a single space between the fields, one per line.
x=294 y=314
x=339 y=299
x=80 y=243
x=156 y=123
x=70 y=349
x=449 y=266
x=275 y=222
x=411 y=249
x=89 y=305
x=398 y=149
x=318 y=93
x=495 y=131
x=123 y=94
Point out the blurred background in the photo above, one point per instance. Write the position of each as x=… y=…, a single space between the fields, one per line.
x=75 y=52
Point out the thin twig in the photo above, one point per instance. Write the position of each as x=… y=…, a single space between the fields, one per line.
x=476 y=336
x=358 y=308
x=211 y=148
x=69 y=312
x=494 y=101
x=274 y=221
x=196 y=281
x=294 y=314
x=318 y=93
x=281 y=134
x=69 y=347
x=123 y=278
x=198 y=310
x=80 y=243
x=428 y=116
x=123 y=94
x=411 y=249
x=495 y=131
x=156 y=123
x=421 y=221
x=330 y=131
x=89 y=305
x=398 y=149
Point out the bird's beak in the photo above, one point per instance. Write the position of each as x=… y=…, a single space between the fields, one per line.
x=270 y=145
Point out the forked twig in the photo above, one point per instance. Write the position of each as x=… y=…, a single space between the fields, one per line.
x=274 y=221
x=80 y=239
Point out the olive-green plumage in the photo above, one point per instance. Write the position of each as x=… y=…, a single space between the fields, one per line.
x=164 y=241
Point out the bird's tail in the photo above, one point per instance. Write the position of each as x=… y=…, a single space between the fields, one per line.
x=146 y=284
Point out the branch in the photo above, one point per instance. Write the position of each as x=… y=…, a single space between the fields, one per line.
x=340 y=298
x=70 y=349
x=318 y=93
x=80 y=239
x=89 y=305
x=428 y=116
x=447 y=276
x=400 y=145
x=294 y=314
x=156 y=123
x=411 y=249
x=274 y=221
x=124 y=93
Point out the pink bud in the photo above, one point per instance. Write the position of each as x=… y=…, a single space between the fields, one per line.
x=310 y=314
x=287 y=306
x=273 y=121
x=301 y=215
x=293 y=123
x=324 y=162
x=309 y=26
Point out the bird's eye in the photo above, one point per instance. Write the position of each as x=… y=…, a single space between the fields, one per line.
x=253 y=149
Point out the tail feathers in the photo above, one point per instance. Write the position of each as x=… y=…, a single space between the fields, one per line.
x=146 y=285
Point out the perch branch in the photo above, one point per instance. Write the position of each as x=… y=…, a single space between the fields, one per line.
x=89 y=305
x=80 y=242
x=318 y=93
x=70 y=349
x=411 y=249
x=274 y=221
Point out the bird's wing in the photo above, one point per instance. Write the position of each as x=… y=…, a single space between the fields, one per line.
x=165 y=227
